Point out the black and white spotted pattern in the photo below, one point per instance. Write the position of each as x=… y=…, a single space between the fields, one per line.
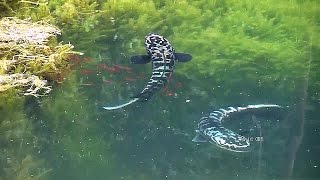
x=162 y=58
x=210 y=129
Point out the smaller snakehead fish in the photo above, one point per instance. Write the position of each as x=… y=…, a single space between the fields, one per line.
x=210 y=129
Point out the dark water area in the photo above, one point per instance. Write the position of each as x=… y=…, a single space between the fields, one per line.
x=242 y=54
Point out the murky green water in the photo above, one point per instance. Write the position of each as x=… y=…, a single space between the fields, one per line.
x=243 y=53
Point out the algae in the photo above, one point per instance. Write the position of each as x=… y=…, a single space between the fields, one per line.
x=30 y=57
x=20 y=148
x=31 y=61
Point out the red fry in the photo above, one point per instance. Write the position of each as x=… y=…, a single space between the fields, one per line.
x=112 y=70
x=87 y=59
x=129 y=79
x=167 y=92
x=107 y=81
x=74 y=59
x=102 y=66
x=178 y=85
x=122 y=67
x=86 y=72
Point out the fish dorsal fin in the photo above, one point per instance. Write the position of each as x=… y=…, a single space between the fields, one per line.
x=140 y=59
x=182 y=57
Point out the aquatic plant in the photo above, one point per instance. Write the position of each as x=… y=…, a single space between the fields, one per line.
x=74 y=140
x=20 y=148
x=30 y=56
x=254 y=44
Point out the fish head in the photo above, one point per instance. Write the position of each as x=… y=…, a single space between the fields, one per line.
x=227 y=139
x=158 y=47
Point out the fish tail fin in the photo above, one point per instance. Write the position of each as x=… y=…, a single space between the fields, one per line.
x=121 y=105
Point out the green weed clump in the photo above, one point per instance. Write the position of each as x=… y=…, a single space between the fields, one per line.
x=30 y=56
x=251 y=44
x=30 y=59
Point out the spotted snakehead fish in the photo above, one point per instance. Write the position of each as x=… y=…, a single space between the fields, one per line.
x=210 y=129
x=162 y=56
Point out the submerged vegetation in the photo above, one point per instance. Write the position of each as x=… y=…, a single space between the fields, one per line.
x=243 y=52
x=30 y=56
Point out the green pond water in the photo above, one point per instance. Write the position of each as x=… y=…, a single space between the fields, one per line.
x=246 y=52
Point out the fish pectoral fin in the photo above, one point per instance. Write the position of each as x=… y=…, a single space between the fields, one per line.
x=199 y=138
x=140 y=59
x=182 y=57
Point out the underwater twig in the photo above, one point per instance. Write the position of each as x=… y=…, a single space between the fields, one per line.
x=89 y=13
x=300 y=119
x=29 y=2
x=44 y=173
x=260 y=146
